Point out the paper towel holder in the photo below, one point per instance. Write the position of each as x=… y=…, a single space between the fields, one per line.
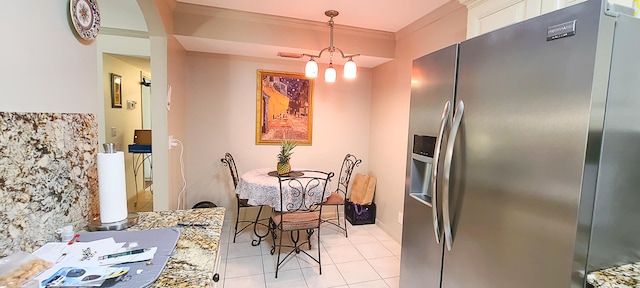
x=132 y=217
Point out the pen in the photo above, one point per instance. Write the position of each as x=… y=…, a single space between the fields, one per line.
x=192 y=225
x=61 y=256
x=135 y=251
x=64 y=251
x=74 y=239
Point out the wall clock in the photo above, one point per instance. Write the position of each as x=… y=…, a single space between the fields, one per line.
x=85 y=17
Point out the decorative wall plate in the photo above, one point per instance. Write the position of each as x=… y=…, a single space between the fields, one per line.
x=85 y=17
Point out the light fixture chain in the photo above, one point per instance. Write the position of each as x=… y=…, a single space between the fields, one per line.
x=331 y=49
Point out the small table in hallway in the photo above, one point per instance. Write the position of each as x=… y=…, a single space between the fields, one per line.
x=141 y=154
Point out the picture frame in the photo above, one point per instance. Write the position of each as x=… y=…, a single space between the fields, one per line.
x=116 y=91
x=284 y=108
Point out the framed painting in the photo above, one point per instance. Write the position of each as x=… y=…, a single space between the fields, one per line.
x=116 y=91
x=284 y=108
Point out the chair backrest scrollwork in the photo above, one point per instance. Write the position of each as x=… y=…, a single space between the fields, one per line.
x=348 y=164
x=303 y=193
x=229 y=162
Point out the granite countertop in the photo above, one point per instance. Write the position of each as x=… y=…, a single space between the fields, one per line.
x=619 y=277
x=193 y=262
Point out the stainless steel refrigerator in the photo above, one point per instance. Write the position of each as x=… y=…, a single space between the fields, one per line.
x=523 y=165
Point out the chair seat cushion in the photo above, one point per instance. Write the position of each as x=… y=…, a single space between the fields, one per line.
x=297 y=220
x=334 y=199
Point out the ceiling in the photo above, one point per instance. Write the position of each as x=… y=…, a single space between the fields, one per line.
x=383 y=15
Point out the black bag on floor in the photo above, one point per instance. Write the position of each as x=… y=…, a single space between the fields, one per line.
x=360 y=214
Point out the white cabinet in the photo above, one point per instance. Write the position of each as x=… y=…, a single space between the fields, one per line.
x=487 y=15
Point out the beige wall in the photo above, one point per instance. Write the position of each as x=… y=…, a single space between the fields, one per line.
x=176 y=119
x=391 y=91
x=124 y=120
x=118 y=45
x=221 y=117
x=45 y=68
x=166 y=54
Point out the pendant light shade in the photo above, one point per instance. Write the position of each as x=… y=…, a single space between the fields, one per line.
x=311 y=70
x=330 y=74
x=350 y=69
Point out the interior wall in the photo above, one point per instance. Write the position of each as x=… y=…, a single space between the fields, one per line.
x=221 y=117
x=125 y=120
x=157 y=15
x=391 y=91
x=50 y=72
x=46 y=68
x=176 y=122
x=119 y=45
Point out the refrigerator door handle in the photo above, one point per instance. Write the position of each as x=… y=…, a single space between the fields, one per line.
x=448 y=157
x=437 y=229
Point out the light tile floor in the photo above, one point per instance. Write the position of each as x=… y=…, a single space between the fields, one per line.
x=367 y=258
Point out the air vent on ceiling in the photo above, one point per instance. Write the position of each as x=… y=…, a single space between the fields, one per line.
x=289 y=55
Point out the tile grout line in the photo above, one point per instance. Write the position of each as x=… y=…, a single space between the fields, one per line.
x=322 y=248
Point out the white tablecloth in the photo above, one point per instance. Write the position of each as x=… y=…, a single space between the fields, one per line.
x=261 y=189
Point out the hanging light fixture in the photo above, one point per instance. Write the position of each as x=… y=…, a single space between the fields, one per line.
x=311 y=69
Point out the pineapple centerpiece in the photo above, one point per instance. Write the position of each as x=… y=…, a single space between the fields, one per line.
x=284 y=156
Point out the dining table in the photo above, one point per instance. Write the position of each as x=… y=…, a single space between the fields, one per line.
x=261 y=187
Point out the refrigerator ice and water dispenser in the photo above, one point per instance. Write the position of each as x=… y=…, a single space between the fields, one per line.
x=421 y=166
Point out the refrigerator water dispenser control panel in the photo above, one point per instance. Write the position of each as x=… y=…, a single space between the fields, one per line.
x=424 y=145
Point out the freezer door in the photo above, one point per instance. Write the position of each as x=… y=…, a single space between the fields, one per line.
x=519 y=156
x=433 y=84
x=617 y=198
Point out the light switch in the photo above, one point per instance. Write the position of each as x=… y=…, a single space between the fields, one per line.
x=114 y=132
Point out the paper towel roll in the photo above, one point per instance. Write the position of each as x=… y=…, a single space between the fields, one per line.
x=112 y=187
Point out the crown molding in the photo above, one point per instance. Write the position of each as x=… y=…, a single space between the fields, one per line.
x=428 y=19
x=123 y=32
x=471 y=3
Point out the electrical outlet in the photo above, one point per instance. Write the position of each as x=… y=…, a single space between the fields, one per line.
x=172 y=142
x=400 y=216
x=114 y=132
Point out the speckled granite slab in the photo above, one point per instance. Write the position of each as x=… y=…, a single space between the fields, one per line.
x=616 y=277
x=192 y=264
x=48 y=176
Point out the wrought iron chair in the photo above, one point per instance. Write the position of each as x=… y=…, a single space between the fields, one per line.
x=338 y=197
x=242 y=203
x=301 y=212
